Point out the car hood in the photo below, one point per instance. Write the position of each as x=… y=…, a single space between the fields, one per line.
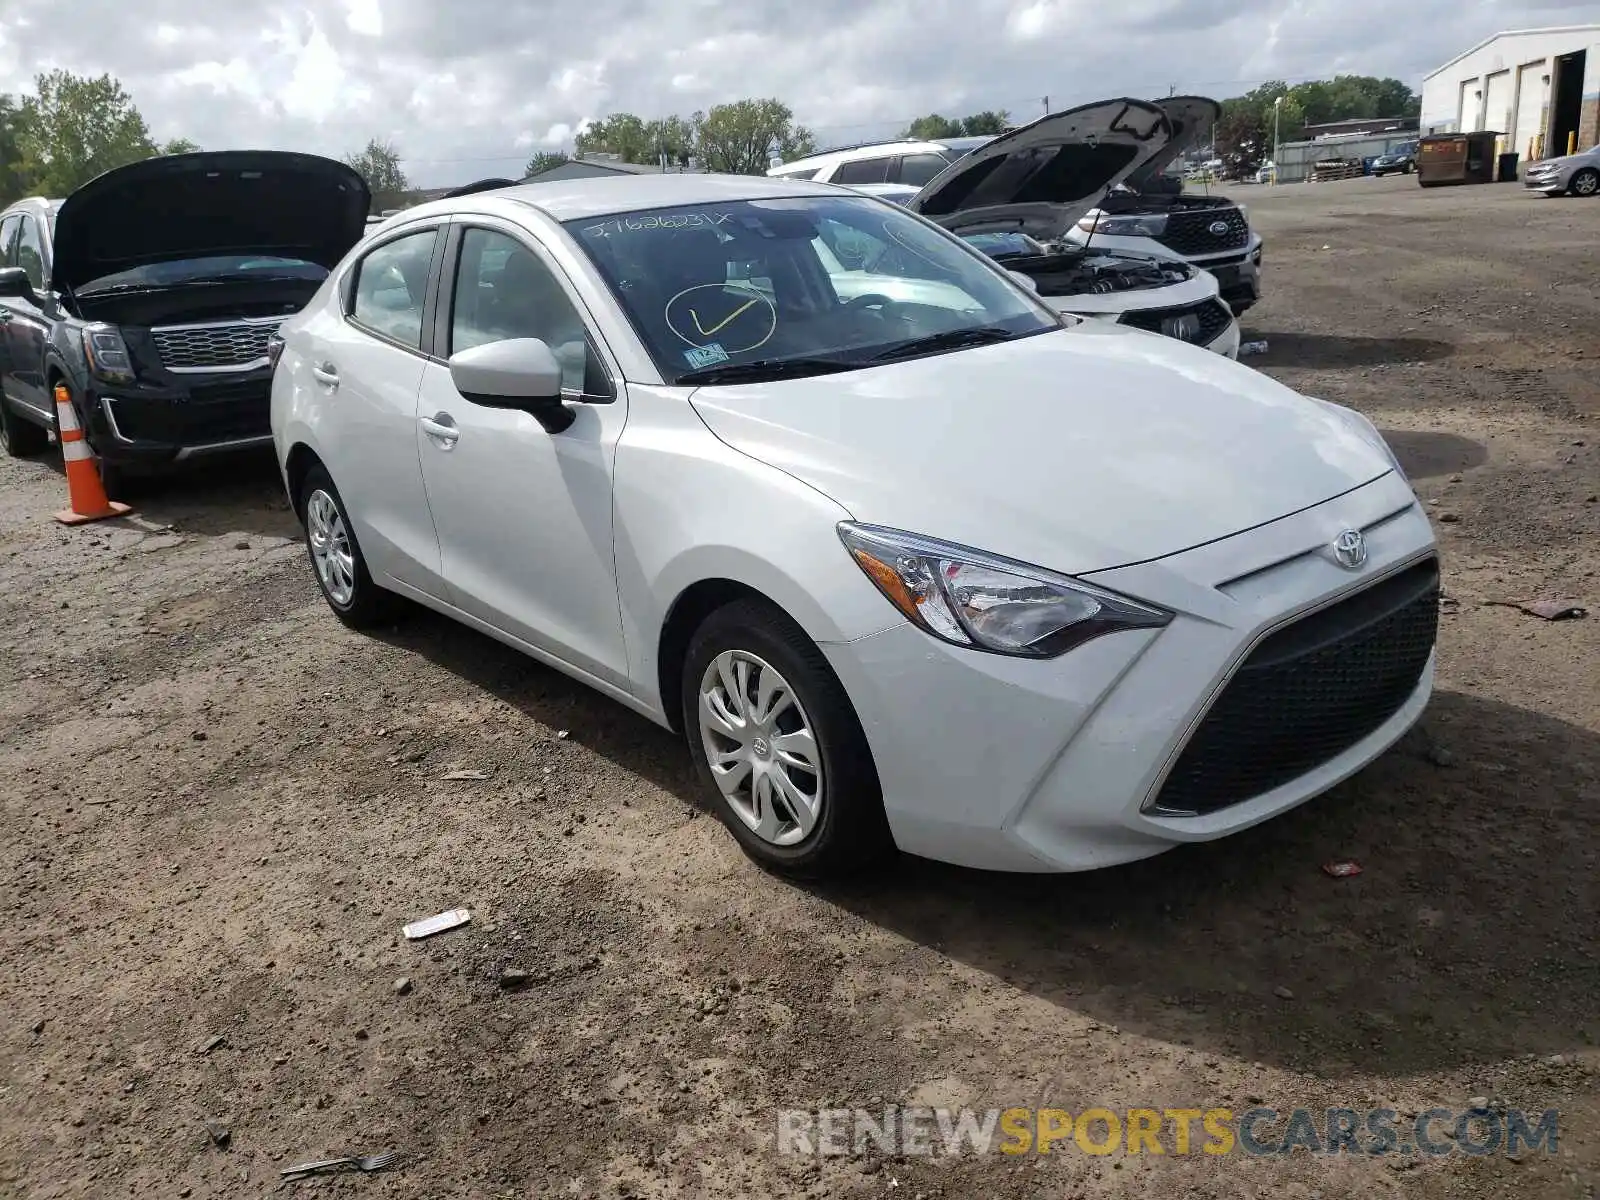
x=1044 y=176
x=1192 y=119
x=178 y=206
x=1079 y=450
x=1562 y=161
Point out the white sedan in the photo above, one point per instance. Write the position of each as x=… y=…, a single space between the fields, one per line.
x=946 y=571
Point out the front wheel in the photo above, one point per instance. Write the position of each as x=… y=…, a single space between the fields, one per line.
x=20 y=436
x=1585 y=183
x=336 y=559
x=778 y=746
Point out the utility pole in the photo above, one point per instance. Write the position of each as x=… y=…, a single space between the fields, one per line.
x=1172 y=90
x=1045 y=100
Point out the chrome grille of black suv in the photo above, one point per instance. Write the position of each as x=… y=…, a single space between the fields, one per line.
x=213 y=347
x=1199 y=323
x=1309 y=692
x=1192 y=233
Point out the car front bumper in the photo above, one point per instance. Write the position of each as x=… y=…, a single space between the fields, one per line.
x=1239 y=281
x=1024 y=765
x=149 y=426
x=1551 y=184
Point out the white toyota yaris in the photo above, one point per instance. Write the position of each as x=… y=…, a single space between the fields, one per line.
x=945 y=570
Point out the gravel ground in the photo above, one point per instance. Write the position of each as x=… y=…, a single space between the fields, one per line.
x=217 y=808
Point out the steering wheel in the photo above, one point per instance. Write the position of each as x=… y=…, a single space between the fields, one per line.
x=870 y=300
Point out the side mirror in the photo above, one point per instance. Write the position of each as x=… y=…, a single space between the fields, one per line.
x=14 y=282
x=519 y=373
x=1027 y=281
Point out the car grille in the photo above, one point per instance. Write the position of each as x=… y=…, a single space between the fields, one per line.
x=1309 y=692
x=1199 y=323
x=231 y=345
x=1190 y=233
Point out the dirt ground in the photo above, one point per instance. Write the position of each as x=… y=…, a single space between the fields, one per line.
x=219 y=807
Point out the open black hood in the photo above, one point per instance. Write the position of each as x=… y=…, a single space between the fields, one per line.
x=1192 y=118
x=179 y=206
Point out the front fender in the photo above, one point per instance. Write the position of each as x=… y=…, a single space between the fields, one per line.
x=690 y=509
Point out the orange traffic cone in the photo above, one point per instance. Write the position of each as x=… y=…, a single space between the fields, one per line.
x=86 y=497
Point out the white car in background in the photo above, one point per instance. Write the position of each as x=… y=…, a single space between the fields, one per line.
x=1150 y=212
x=953 y=574
x=1017 y=197
x=904 y=163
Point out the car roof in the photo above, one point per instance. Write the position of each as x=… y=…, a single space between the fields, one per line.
x=872 y=150
x=579 y=199
x=32 y=204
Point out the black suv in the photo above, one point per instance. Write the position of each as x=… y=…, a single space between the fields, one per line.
x=1402 y=158
x=149 y=295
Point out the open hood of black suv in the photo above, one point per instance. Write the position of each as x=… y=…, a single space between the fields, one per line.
x=179 y=206
x=1041 y=178
x=1192 y=118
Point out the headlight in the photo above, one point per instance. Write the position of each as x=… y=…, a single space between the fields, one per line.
x=968 y=598
x=1126 y=226
x=1244 y=211
x=107 y=353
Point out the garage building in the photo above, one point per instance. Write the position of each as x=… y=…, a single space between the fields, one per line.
x=1538 y=87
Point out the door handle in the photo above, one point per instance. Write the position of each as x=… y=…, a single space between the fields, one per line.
x=441 y=428
x=326 y=374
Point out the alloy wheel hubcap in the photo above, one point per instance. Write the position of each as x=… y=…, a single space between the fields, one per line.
x=759 y=743
x=1588 y=184
x=330 y=548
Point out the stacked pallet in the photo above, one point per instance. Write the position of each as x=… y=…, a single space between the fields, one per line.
x=1330 y=169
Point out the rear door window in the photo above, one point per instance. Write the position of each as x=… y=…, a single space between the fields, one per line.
x=391 y=283
x=863 y=170
x=919 y=169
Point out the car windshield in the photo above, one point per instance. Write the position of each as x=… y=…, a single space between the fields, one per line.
x=719 y=292
x=209 y=268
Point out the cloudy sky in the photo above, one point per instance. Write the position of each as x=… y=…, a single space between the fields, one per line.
x=469 y=88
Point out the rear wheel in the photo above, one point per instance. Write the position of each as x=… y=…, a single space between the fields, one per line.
x=1585 y=183
x=336 y=559
x=20 y=436
x=778 y=746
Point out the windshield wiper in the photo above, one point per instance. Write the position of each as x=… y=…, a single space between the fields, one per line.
x=950 y=339
x=170 y=285
x=766 y=368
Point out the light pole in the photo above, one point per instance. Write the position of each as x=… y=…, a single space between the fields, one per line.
x=1277 y=107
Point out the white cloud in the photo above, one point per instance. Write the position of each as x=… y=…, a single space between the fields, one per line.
x=364 y=17
x=468 y=89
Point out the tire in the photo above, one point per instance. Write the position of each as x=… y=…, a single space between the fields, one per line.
x=848 y=831
x=1585 y=183
x=341 y=576
x=20 y=436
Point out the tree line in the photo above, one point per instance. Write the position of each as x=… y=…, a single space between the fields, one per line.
x=72 y=128
x=75 y=127
x=740 y=138
x=1244 y=133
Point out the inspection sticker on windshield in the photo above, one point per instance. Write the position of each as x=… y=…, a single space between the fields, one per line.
x=708 y=355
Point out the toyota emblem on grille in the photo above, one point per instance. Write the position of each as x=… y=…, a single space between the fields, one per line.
x=1218 y=227
x=1350 y=548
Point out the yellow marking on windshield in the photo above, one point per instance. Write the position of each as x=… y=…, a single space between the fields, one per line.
x=725 y=322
